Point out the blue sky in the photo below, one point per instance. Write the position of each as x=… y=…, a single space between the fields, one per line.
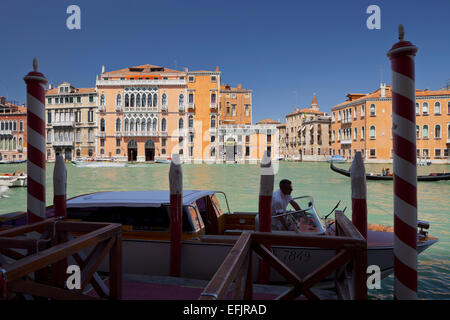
x=283 y=50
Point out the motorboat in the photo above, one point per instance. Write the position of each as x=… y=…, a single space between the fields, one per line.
x=336 y=159
x=12 y=161
x=16 y=179
x=388 y=177
x=209 y=233
x=98 y=164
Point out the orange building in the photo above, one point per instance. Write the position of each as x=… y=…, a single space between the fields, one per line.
x=235 y=105
x=13 y=131
x=364 y=123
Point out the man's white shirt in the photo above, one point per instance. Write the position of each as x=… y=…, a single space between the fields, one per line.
x=280 y=202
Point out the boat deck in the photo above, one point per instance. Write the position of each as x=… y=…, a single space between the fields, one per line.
x=140 y=287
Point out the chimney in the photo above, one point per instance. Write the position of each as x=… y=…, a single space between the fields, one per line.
x=103 y=68
x=239 y=86
x=383 y=90
x=50 y=86
x=186 y=70
x=2 y=100
x=217 y=69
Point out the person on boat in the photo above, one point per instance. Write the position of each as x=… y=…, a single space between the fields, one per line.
x=383 y=172
x=388 y=173
x=280 y=200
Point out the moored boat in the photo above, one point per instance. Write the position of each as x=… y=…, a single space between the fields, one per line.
x=98 y=164
x=209 y=234
x=16 y=179
x=372 y=176
x=337 y=159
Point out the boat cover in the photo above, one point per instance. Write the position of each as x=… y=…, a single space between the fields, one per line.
x=148 y=198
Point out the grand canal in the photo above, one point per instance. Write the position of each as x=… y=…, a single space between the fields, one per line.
x=241 y=184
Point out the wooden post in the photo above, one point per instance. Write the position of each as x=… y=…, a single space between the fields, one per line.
x=59 y=187
x=359 y=191
x=176 y=214
x=265 y=209
x=115 y=268
x=405 y=170
x=36 y=82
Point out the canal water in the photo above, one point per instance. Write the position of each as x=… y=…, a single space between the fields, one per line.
x=241 y=184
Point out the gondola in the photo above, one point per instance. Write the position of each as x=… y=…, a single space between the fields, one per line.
x=371 y=176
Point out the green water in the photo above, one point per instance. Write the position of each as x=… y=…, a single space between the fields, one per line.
x=241 y=184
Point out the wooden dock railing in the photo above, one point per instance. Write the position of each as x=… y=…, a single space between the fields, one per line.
x=34 y=260
x=350 y=258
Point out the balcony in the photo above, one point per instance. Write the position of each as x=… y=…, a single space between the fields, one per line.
x=346 y=141
x=181 y=107
x=101 y=108
x=191 y=130
x=164 y=108
x=118 y=108
x=63 y=143
x=163 y=133
x=63 y=124
x=6 y=133
x=191 y=106
x=349 y=120
x=101 y=134
x=118 y=134
x=140 y=133
x=213 y=105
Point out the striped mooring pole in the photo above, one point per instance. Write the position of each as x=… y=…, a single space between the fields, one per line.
x=176 y=211
x=36 y=83
x=265 y=208
x=359 y=192
x=59 y=187
x=405 y=171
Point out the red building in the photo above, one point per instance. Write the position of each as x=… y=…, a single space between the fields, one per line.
x=13 y=133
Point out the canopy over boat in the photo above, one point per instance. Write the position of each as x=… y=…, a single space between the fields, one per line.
x=148 y=198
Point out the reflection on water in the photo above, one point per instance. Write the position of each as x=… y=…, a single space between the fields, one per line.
x=241 y=184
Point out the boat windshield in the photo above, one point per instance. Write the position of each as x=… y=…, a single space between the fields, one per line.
x=307 y=218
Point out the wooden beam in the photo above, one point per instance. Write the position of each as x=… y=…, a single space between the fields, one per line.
x=115 y=268
x=347 y=226
x=94 y=260
x=38 y=227
x=219 y=284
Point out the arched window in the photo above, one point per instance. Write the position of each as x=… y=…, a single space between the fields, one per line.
x=213 y=121
x=448 y=107
x=118 y=100
x=163 y=125
x=339 y=134
x=127 y=100
x=425 y=108
x=372 y=110
x=372 y=132
x=138 y=100
x=164 y=100
x=437 y=108
x=2 y=126
x=126 y=125
x=144 y=101
x=180 y=123
x=132 y=100
x=20 y=143
x=213 y=98
x=102 y=100
x=118 y=125
x=102 y=125
x=155 y=124
x=138 y=125
x=143 y=128
x=425 y=132
x=356 y=134
x=132 y=125
x=191 y=122
x=437 y=131
x=149 y=100
x=155 y=100
x=417 y=108
x=14 y=147
x=181 y=101
x=417 y=132
x=149 y=124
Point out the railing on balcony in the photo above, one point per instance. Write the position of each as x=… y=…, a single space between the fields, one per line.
x=191 y=106
x=5 y=132
x=63 y=143
x=191 y=130
x=101 y=134
x=101 y=108
x=115 y=82
x=213 y=105
x=63 y=124
x=163 y=133
x=118 y=134
x=151 y=133
x=346 y=141
x=118 y=108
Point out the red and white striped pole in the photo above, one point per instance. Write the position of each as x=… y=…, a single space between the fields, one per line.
x=265 y=208
x=405 y=170
x=36 y=83
x=359 y=194
x=59 y=187
x=176 y=212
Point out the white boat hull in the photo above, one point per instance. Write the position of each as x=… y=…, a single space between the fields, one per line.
x=94 y=164
x=14 y=181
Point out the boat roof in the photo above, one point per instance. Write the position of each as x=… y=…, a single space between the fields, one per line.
x=148 y=198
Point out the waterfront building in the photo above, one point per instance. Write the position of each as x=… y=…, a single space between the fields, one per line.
x=282 y=140
x=364 y=123
x=235 y=105
x=302 y=145
x=13 y=131
x=71 y=122
x=148 y=112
